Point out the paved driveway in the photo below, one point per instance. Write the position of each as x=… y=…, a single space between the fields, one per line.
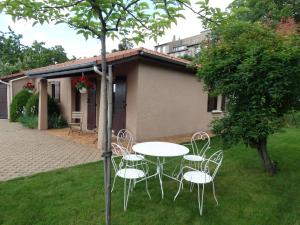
x=25 y=152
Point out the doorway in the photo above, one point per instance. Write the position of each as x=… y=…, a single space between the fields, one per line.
x=119 y=103
x=92 y=105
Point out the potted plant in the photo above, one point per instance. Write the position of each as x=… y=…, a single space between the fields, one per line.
x=82 y=84
x=29 y=86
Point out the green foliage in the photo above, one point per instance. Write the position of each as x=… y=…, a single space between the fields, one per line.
x=259 y=73
x=15 y=57
x=187 y=57
x=125 y=44
x=29 y=121
x=53 y=107
x=18 y=104
x=32 y=105
x=267 y=10
x=56 y=121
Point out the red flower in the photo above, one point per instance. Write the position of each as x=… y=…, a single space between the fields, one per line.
x=82 y=82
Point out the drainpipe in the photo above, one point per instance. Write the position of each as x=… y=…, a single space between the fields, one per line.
x=98 y=71
x=109 y=108
x=101 y=111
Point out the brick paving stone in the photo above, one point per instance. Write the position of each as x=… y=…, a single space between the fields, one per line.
x=24 y=152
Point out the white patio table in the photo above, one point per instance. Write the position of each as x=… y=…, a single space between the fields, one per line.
x=160 y=150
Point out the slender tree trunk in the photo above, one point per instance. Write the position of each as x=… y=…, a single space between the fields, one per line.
x=105 y=134
x=269 y=166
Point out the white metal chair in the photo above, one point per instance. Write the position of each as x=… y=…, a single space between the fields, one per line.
x=126 y=140
x=134 y=173
x=209 y=170
x=198 y=153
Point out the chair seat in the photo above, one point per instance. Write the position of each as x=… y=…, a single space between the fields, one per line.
x=195 y=158
x=73 y=124
x=133 y=157
x=129 y=173
x=197 y=177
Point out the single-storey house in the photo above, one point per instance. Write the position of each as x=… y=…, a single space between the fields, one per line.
x=10 y=85
x=154 y=94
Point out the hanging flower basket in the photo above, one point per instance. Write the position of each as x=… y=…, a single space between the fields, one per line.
x=82 y=90
x=29 y=87
x=82 y=84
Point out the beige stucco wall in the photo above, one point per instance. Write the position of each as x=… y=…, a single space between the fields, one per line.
x=169 y=102
x=18 y=84
x=65 y=102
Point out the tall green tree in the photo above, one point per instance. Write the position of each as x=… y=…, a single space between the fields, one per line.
x=15 y=56
x=267 y=10
x=258 y=71
x=134 y=19
x=124 y=44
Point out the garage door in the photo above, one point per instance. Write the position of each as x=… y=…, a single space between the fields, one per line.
x=3 y=101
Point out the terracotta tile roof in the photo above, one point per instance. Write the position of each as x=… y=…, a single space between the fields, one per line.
x=111 y=57
x=12 y=76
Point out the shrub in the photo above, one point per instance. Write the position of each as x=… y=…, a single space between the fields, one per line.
x=56 y=121
x=32 y=105
x=18 y=105
x=53 y=107
x=29 y=121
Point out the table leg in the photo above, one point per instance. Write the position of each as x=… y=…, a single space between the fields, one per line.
x=160 y=172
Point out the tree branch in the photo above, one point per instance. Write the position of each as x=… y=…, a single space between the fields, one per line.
x=84 y=27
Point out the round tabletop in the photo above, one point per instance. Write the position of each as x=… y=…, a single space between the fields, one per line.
x=160 y=149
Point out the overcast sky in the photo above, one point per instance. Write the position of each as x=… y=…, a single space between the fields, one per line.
x=76 y=44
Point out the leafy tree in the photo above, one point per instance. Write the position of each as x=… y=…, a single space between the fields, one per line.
x=187 y=57
x=15 y=57
x=267 y=10
x=133 y=19
x=259 y=73
x=125 y=44
x=37 y=55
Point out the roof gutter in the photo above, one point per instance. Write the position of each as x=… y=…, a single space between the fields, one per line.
x=66 y=70
x=160 y=58
x=3 y=82
x=56 y=73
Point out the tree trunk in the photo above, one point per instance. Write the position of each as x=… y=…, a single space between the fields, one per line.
x=268 y=164
x=105 y=134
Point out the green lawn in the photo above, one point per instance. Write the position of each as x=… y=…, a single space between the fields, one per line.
x=246 y=194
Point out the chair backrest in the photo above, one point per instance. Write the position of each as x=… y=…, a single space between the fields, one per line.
x=77 y=115
x=116 y=152
x=200 y=142
x=213 y=163
x=125 y=139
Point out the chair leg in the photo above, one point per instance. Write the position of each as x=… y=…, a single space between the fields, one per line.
x=202 y=200
x=192 y=187
x=214 y=192
x=147 y=189
x=113 y=185
x=180 y=169
x=126 y=193
x=180 y=184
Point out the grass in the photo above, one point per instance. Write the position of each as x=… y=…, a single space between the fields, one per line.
x=246 y=194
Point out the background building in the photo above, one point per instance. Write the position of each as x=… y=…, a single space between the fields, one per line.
x=181 y=47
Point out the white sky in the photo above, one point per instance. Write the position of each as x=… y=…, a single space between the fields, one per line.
x=76 y=45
